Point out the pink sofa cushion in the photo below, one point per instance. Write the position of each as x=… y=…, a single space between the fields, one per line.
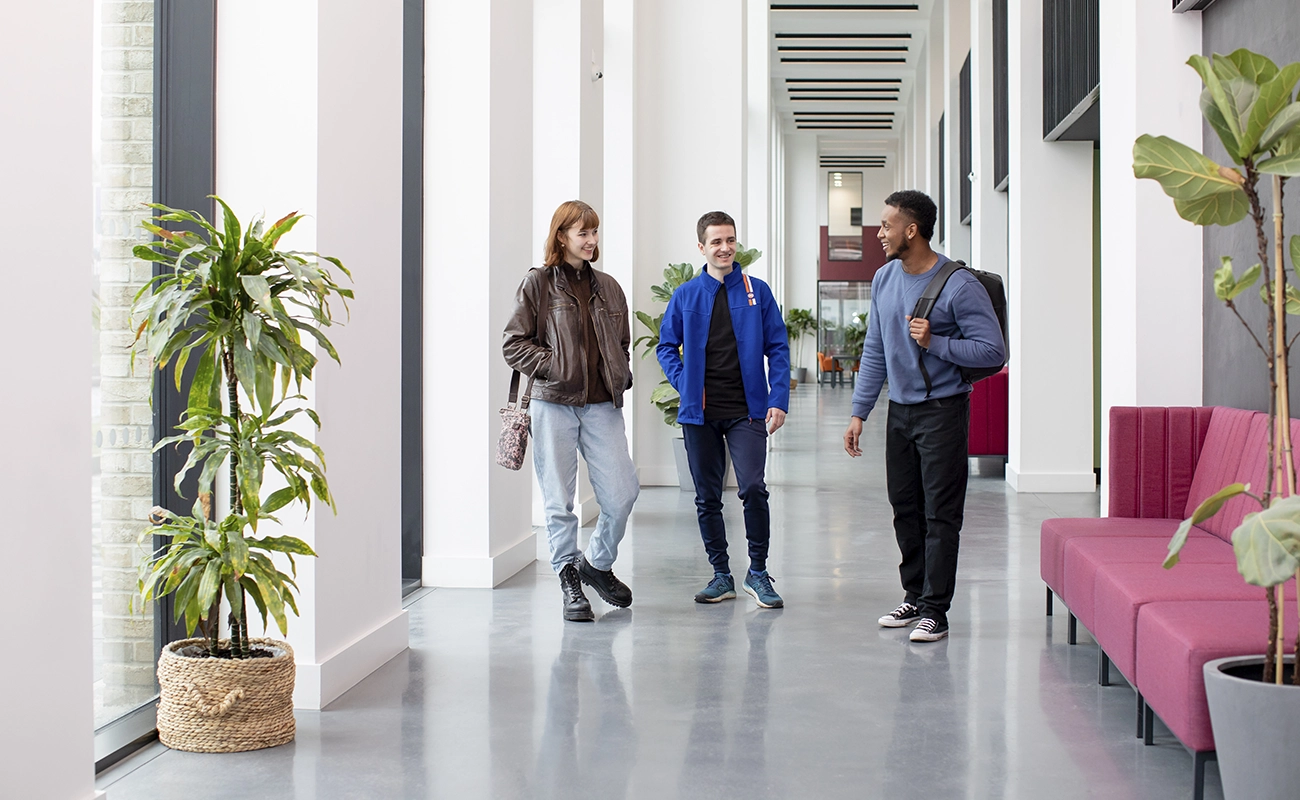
x=1085 y=557
x=1175 y=639
x=1057 y=531
x=1120 y=590
x=1153 y=455
x=1235 y=451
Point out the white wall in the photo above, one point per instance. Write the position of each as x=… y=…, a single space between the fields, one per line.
x=478 y=172
x=956 y=36
x=802 y=235
x=689 y=159
x=47 y=708
x=1050 y=282
x=341 y=163
x=1151 y=351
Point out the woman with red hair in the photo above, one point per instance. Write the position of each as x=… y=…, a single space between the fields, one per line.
x=570 y=332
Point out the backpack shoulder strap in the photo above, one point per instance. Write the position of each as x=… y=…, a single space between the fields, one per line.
x=925 y=303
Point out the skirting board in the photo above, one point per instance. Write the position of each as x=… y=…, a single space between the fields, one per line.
x=480 y=573
x=318 y=685
x=1051 y=482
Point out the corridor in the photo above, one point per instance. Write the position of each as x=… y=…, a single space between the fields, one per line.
x=499 y=698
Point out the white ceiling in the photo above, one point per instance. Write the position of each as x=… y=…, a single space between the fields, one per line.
x=847 y=74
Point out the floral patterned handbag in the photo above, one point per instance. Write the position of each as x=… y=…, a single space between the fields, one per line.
x=512 y=444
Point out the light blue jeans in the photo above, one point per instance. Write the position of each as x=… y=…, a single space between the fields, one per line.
x=560 y=433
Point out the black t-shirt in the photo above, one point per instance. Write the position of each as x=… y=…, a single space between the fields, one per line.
x=724 y=391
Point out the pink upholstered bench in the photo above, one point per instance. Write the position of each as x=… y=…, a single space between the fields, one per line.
x=1174 y=641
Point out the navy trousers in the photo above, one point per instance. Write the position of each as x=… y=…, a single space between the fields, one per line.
x=747 y=441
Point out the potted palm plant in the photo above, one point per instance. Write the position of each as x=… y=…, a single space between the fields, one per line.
x=799 y=322
x=238 y=307
x=1250 y=104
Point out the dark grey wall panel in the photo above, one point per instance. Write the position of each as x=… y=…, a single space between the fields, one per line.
x=965 y=160
x=412 y=289
x=1071 y=63
x=1234 y=371
x=1001 y=98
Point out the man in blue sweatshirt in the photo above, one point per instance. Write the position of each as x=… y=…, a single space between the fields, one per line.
x=927 y=429
x=717 y=330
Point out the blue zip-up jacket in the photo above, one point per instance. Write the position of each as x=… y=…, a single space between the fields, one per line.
x=760 y=331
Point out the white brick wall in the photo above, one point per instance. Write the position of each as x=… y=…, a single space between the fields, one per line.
x=123 y=432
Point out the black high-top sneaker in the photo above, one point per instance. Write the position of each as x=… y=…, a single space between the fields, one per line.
x=576 y=606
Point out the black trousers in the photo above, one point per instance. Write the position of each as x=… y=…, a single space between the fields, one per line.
x=926 y=469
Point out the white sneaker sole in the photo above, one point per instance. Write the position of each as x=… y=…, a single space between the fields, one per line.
x=918 y=636
x=718 y=599
x=761 y=604
x=893 y=622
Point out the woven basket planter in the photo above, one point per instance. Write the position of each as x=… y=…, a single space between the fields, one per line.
x=219 y=705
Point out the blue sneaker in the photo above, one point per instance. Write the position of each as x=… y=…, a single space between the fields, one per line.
x=760 y=586
x=722 y=587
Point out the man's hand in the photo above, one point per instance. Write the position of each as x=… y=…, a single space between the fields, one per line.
x=919 y=329
x=775 y=419
x=851 y=437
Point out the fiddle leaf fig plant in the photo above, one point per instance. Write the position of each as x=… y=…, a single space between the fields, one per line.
x=241 y=309
x=1250 y=104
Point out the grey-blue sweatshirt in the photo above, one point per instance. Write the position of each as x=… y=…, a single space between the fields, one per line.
x=964 y=331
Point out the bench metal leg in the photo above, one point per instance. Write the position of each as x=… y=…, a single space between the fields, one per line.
x=1142 y=707
x=1072 y=634
x=1149 y=727
x=1199 y=760
x=1049 y=601
x=1103 y=667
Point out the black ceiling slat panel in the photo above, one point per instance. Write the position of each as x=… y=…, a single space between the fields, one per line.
x=841 y=48
x=842 y=36
x=846 y=113
x=844 y=80
x=854 y=60
x=847 y=99
x=845 y=7
x=842 y=89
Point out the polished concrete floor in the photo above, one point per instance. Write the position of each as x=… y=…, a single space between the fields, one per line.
x=499 y=698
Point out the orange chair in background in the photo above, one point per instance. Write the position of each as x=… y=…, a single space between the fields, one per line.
x=829 y=368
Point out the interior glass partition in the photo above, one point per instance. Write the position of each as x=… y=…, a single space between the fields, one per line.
x=844 y=216
x=843 y=308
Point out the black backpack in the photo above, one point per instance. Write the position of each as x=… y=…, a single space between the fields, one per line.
x=997 y=295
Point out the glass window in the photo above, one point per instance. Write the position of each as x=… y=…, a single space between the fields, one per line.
x=844 y=217
x=843 y=308
x=122 y=474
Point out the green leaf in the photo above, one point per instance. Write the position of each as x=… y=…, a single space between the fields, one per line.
x=284 y=544
x=1295 y=254
x=245 y=366
x=279 y=499
x=1283 y=123
x=1228 y=114
x=237 y=547
x=1292 y=300
x=265 y=385
x=1227 y=286
x=258 y=289
x=1208 y=508
x=1223 y=208
x=209 y=584
x=1254 y=67
x=1267 y=544
x=1287 y=166
x=1182 y=172
x=1274 y=97
x=251 y=588
x=204 y=374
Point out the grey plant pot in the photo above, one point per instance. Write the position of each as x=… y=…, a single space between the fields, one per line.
x=800 y=374
x=1256 y=728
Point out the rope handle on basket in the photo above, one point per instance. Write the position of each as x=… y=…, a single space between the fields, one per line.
x=195 y=697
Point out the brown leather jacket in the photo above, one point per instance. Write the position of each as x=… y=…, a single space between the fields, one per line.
x=559 y=362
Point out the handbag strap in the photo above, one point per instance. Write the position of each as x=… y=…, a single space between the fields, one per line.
x=537 y=337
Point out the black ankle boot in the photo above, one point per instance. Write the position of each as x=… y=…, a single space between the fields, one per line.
x=576 y=606
x=610 y=588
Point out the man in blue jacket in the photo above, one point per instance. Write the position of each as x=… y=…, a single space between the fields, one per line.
x=716 y=332
x=928 y=426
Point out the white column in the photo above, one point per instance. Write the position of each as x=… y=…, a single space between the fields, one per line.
x=689 y=159
x=352 y=620
x=45 y=83
x=956 y=37
x=1151 y=258
x=802 y=237
x=988 y=206
x=616 y=217
x=753 y=219
x=936 y=78
x=478 y=246
x=1050 y=281
x=568 y=139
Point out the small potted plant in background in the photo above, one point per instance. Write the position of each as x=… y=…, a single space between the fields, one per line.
x=799 y=322
x=238 y=308
x=1250 y=104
